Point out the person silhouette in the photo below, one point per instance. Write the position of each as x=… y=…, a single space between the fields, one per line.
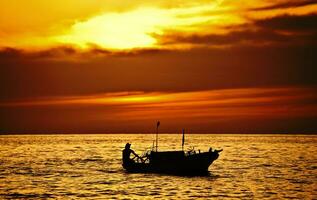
x=126 y=155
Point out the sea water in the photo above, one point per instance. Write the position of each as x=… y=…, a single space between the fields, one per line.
x=89 y=167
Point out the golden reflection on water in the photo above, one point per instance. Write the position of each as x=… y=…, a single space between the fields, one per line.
x=89 y=166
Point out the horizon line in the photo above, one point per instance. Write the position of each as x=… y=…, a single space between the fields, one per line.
x=165 y=133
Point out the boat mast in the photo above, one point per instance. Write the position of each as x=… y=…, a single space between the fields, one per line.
x=183 y=140
x=157 y=125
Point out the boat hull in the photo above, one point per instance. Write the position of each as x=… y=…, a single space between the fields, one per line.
x=175 y=163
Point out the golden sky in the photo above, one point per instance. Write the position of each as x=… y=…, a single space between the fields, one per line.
x=218 y=65
x=136 y=24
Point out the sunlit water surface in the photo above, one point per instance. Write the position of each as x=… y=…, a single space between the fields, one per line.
x=89 y=167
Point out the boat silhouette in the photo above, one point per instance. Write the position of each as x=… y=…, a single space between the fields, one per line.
x=173 y=162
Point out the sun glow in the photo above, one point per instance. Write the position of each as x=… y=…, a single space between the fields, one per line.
x=118 y=30
x=137 y=28
x=132 y=25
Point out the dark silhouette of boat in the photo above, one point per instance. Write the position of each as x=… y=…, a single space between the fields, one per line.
x=172 y=162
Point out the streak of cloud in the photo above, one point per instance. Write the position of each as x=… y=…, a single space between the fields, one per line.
x=192 y=108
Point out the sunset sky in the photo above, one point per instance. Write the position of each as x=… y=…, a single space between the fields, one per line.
x=217 y=66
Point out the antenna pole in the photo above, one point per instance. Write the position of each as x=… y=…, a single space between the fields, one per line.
x=183 y=140
x=156 y=137
x=157 y=125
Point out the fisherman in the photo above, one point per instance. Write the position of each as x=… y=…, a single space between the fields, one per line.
x=126 y=155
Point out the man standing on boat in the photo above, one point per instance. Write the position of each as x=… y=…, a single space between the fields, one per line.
x=126 y=155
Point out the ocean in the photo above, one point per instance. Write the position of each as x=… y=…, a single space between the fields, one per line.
x=89 y=167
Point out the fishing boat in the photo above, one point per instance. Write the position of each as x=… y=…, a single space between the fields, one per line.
x=175 y=162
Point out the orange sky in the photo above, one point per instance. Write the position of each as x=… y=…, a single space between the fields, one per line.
x=137 y=24
x=210 y=66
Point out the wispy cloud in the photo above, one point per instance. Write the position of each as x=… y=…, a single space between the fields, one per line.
x=214 y=110
x=227 y=102
x=285 y=4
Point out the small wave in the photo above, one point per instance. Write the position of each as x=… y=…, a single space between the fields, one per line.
x=312 y=167
x=90 y=160
x=104 y=181
x=27 y=196
x=87 y=195
x=109 y=171
x=264 y=165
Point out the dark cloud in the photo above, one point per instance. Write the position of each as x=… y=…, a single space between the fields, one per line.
x=55 y=52
x=65 y=53
x=232 y=38
x=196 y=69
x=286 y=4
x=300 y=23
x=286 y=30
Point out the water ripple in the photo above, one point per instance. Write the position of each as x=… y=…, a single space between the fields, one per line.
x=89 y=167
